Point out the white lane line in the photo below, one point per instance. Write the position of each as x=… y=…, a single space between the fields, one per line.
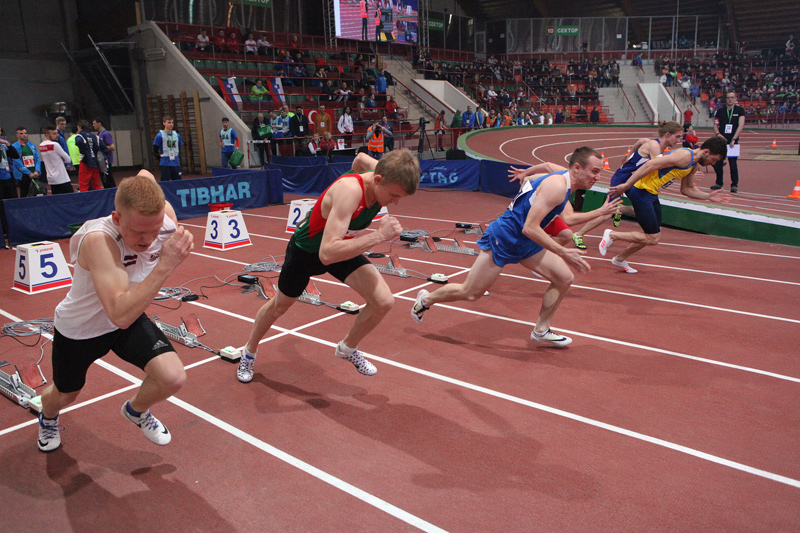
x=246 y=437
x=335 y=482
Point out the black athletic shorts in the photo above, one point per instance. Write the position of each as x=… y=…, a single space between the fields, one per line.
x=300 y=265
x=137 y=344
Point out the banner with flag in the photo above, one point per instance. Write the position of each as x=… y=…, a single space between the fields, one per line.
x=231 y=92
x=276 y=89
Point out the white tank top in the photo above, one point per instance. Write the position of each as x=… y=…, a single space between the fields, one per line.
x=81 y=315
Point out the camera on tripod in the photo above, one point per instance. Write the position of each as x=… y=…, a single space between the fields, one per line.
x=423 y=121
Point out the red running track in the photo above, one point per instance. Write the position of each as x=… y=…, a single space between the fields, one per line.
x=675 y=408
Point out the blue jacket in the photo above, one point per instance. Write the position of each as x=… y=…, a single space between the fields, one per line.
x=380 y=84
x=19 y=168
x=467 y=119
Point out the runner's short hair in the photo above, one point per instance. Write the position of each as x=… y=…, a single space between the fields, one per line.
x=581 y=155
x=716 y=146
x=400 y=166
x=140 y=193
x=665 y=127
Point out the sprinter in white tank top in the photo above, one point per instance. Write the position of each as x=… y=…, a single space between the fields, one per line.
x=121 y=262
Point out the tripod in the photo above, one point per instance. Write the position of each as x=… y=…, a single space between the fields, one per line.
x=423 y=136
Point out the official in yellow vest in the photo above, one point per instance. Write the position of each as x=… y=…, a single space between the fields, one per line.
x=375 y=137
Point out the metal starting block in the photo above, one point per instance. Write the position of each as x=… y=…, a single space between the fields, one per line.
x=393 y=268
x=310 y=295
x=427 y=244
x=456 y=248
x=178 y=334
x=12 y=387
x=265 y=292
x=477 y=229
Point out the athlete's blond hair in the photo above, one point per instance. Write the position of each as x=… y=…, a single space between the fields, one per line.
x=140 y=193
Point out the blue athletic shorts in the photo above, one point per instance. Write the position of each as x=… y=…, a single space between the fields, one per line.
x=647 y=208
x=502 y=254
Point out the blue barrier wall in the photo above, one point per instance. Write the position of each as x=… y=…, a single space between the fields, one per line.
x=47 y=217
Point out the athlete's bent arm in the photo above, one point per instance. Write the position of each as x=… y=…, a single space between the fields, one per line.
x=678 y=158
x=570 y=217
x=344 y=198
x=549 y=195
x=688 y=189
x=99 y=254
x=520 y=174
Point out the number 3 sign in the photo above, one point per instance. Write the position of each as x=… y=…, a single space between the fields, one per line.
x=40 y=266
x=226 y=230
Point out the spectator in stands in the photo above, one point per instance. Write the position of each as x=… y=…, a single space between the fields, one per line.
x=388 y=140
x=250 y=45
x=327 y=145
x=687 y=118
x=480 y=118
x=375 y=138
x=28 y=166
x=790 y=47
x=549 y=119
x=491 y=97
x=261 y=131
x=581 y=114
x=219 y=42
x=391 y=109
x=298 y=123
x=690 y=138
x=89 y=145
x=232 y=43
x=566 y=116
x=468 y=119
x=322 y=121
x=343 y=93
x=319 y=78
x=594 y=116
x=228 y=142
x=491 y=120
x=505 y=98
x=294 y=43
x=72 y=150
x=259 y=93
x=370 y=103
x=345 y=126
x=264 y=46
x=313 y=145
x=203 y=41
x=328 y=92
x=663 y=79
x=380 y=86
x=106 y=175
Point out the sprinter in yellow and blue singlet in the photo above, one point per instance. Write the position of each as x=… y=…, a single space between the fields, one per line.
x=643 y=187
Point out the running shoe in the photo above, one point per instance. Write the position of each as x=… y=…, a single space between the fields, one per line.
x=151 y=426
x=624 y=266
x=419 y=307
x=715 y=187
x=617 y=219
x=246 y=364
x=551 y=338
x=362 y=365
x=605 y=243
x=49 y=434
x=578 y=240
x=734 y=188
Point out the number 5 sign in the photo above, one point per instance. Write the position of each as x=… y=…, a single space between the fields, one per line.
x=226 y=230
x=40 y=266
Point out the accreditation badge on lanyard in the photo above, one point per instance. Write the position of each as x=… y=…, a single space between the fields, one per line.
x=3 y=158
x=172 y=145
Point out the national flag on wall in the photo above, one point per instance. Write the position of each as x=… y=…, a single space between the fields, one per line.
x=276 y=89
x=230 y=91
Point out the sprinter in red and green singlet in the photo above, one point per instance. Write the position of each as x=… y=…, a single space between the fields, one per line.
x=331 y=240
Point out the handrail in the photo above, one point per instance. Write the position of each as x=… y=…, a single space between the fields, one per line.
x=621 y=90
x=434 y=111
x=647 y=103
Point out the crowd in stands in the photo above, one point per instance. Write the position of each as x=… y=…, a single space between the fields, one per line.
x=764 y=84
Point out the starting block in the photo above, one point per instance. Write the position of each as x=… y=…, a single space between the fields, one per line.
x=39 y=267
x=427 y=244
x=456 y=248
x=300 y=209
x=393 y=268
x=226 y=230
x=477 y=229
x=310 y=295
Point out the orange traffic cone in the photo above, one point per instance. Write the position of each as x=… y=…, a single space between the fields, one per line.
x=796 y=193
x=774 y=144
x=605 y=161
x=628 y=152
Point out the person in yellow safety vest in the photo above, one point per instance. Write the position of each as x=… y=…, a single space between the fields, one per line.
x=377 y=25
x=74 y=152
x=364 y=31
x=375 y=140
x=258 y=93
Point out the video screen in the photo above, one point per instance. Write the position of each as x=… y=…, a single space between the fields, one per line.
x=386 y=20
